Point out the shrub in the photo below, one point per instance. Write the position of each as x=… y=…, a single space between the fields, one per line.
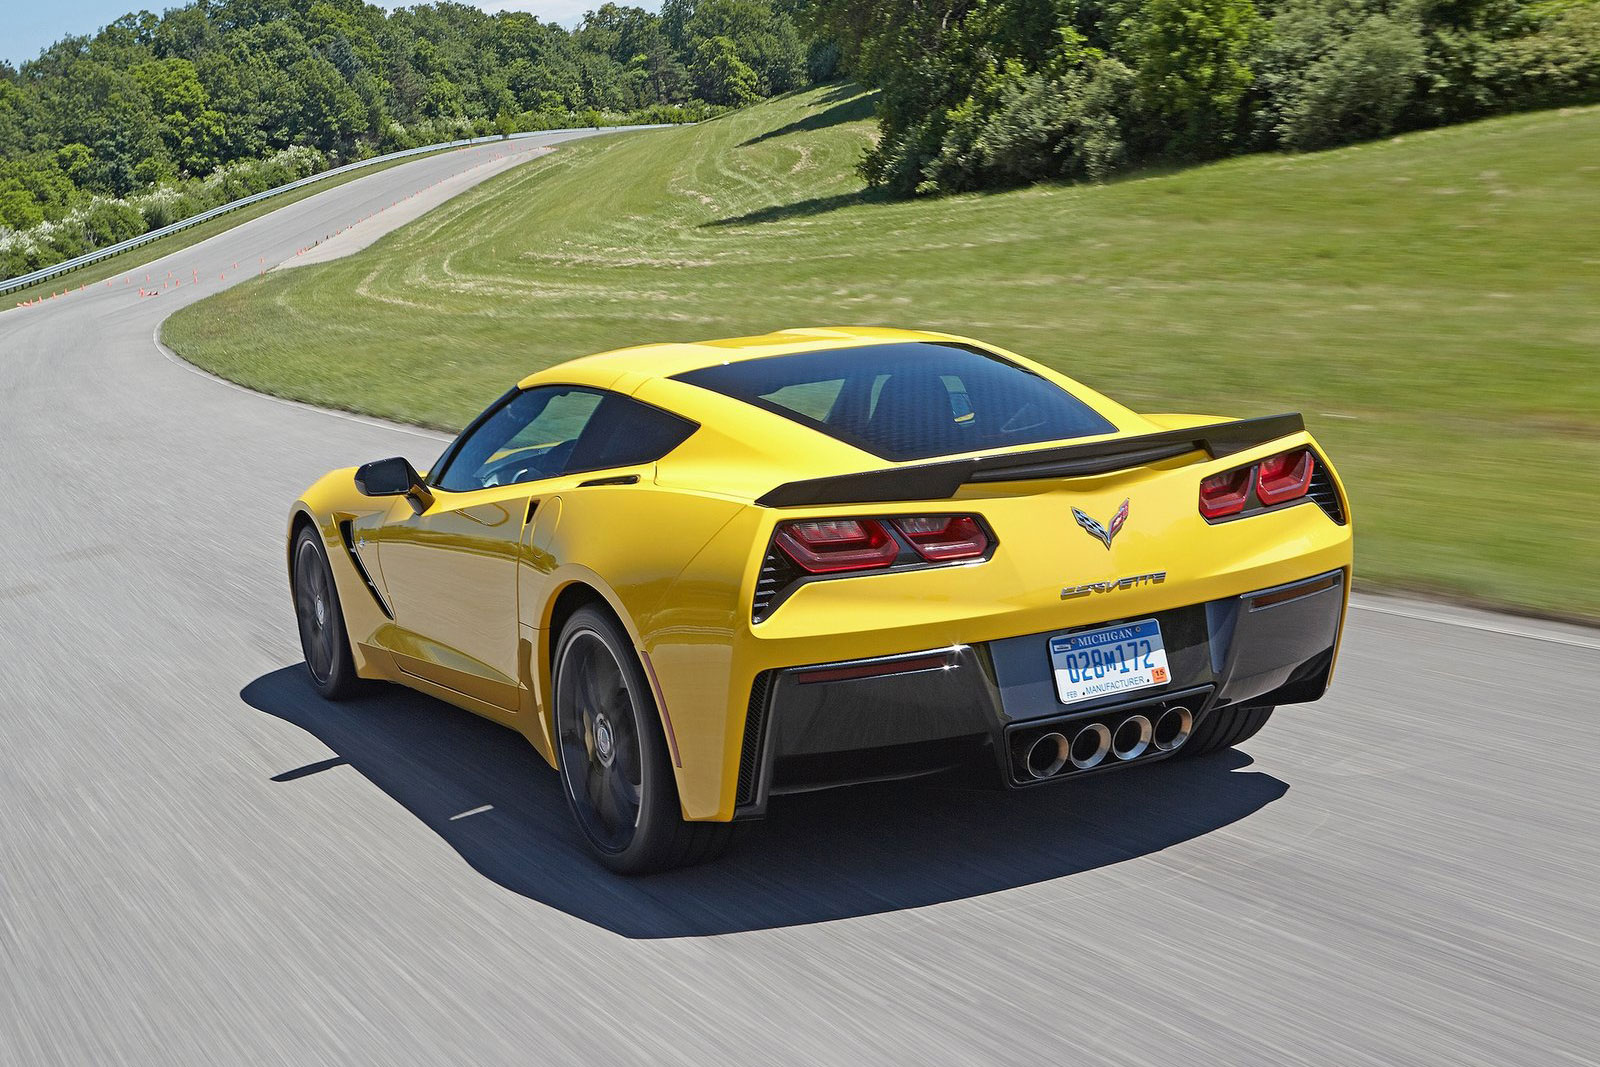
x=1356 y=88
x=1192 y=68
x=158 y=208
x=1558 y=63
x=105 y=222
x=1032 y=128
x=18 y=209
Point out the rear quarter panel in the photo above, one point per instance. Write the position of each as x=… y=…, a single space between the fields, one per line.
x=633 y=545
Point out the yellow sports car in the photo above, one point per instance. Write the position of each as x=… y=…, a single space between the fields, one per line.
x=698 y=576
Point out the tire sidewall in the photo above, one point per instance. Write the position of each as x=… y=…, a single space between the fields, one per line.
x=659 y=812
x=341 y=671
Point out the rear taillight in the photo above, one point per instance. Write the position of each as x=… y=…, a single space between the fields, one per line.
x=827 y=546
x=808 y=550
x=1225 y=494
x=1285 y=477
x=941 y=538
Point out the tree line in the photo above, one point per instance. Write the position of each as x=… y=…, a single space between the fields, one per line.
x=160 y=116
x=988 y=93
x=155 y=118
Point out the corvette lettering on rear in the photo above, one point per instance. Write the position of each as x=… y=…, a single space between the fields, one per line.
x=1071 y=592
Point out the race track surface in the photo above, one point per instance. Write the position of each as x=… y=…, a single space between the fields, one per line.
x=202 y=863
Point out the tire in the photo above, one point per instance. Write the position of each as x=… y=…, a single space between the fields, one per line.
x=323 y=639
x=1224 y=728
x=612 y=755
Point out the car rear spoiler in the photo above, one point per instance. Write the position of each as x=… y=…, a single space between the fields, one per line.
x=937 y=481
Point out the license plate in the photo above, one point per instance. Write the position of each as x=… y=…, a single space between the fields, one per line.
x=1117 y=659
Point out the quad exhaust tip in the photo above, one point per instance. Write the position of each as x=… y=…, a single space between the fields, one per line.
x=1173 y=728
x=1131 y=737
x=1134 y=736
x=1047 y=755
x=1090 y=745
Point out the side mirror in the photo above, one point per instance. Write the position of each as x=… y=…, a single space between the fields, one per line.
x=393 y=477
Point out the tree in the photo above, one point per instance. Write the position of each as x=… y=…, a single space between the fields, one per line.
x=1193 y=63
x=765 y=39
x=192 y=130
x=328 y=110
x=720 y=76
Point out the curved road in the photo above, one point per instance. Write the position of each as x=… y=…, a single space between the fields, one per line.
x=201 y=863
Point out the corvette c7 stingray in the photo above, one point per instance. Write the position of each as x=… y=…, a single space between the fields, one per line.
x=700 y=576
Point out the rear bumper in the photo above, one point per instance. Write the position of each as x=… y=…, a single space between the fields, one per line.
x=928 y=710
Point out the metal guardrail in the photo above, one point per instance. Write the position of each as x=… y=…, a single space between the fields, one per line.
x=43 y=274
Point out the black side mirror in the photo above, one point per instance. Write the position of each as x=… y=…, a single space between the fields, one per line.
x=393 y=477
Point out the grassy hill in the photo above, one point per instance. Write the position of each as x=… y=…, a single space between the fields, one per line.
x=1432 y=303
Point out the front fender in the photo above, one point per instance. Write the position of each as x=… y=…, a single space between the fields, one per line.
x=326 y=505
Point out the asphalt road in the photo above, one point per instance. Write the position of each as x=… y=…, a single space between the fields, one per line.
x=201 y=863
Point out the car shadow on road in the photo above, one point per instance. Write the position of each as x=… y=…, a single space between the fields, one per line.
x=817 y=857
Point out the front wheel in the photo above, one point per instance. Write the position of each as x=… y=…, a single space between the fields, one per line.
x=613 y=758
x=1224 y=728
x=323 y=639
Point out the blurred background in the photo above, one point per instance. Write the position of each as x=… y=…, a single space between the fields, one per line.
x=1381 y=214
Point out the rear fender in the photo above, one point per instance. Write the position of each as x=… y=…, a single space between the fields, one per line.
x=628 y=544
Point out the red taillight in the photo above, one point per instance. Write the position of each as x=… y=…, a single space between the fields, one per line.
x=1285 y=477
x=944 y=537
x=829 y=545
x=1225 y=494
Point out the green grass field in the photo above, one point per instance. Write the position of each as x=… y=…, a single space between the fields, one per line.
x=1431 y=302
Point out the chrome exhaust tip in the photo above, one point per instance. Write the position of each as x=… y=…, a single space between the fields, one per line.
x=1090 y=745
x=1047 y=755
x=1131 y=737
x=1173 y=728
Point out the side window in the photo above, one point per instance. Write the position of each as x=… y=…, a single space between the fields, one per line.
x=532 y=436
x=626 y=433
x=561 y=429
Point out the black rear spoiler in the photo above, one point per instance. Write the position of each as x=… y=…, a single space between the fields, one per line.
x=937 y=481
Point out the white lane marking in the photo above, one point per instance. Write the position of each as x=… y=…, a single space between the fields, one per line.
x=364 y=420
x=474 y=811
x=1485 y=627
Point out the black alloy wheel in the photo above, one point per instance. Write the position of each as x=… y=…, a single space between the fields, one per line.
x=599 y=736
x=323 y=640
x=613 y=758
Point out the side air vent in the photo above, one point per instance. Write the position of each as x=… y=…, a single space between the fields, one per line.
x=1326 y=494
x=755 y=730
x=778 y=574
x=347 y=535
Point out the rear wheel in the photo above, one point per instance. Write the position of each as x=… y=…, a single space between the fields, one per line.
x=323 y=639
x=613 y=757
x=1224 y=728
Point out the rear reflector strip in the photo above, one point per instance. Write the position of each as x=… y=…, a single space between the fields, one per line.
x=1295 y=592
x=876 y=668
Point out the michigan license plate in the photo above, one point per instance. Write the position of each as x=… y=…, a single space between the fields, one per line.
x=1117 y=659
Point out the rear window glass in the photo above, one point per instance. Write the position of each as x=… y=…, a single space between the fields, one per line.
x=911 y=400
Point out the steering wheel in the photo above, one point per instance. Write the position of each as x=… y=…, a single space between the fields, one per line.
x=528 y=465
